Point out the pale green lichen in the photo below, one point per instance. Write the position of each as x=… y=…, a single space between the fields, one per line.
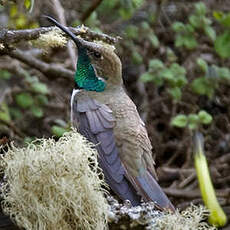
x=2 y=46
x=54 y=185
x=146 y=216
x=53 y=38
x=190 y=219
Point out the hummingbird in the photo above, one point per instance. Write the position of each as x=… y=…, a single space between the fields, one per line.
x=102 y=111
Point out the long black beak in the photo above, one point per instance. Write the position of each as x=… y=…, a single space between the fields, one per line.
x=68 y=32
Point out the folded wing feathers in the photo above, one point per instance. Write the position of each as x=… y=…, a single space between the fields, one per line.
x=96 y=122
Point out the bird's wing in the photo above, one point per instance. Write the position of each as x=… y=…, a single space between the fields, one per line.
x=140 y=171
x=145 y=143
x=95 y=121
x=136 y=155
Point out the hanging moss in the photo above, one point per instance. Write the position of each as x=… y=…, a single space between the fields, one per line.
x=54 y=185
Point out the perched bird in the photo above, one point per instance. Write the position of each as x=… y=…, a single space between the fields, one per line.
x=103 y=112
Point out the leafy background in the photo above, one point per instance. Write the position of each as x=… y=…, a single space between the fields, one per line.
x=175 y=57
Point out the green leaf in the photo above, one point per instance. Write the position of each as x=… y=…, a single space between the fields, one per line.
x=193 y=121
x=145 y=26
x=180 y=121
x=202 y=86
x=202 y=64
x=195 y=21
x=147 y=77
x=177 y=69
x=176 y=93
x=193 y=117
x=168 y=75
x=222 y=44
x=42 y=99
x=224 y=19
x=132 y=31
x=126 y=12
x=199 y=86
x=28 y=140
x=137 y=58
x=92 y=20
x=24 y=100
x=60 y=122
x=224 y=73
x=178 y=26
x=210 y=32
x=156 y=64
x=181 y=81
x=4 y=74
x=179 y=41
x=4 y=112
x=58 y=131
x=206 y=21
x=218 y=15
x=16 y=113
x=189 y=30
x=158 y=81
x=190 y=42
x=171 y=56
x=37 y=111
x=27 y=3
x=205 y=117
x=200 y=8
x=39 y=87
x=138 y=3
x=154 y=40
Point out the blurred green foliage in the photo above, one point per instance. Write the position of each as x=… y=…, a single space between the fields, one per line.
x=208 y=78
x=20 y=19
x=186 y=34
x=222 y=44
x=4 y=113
x=212 y=77
x=34 y=97
x=192 y=121
x=173 y=77
x=140 y=34
x=58 y=130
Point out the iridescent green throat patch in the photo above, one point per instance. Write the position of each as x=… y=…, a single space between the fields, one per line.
x=85 y=75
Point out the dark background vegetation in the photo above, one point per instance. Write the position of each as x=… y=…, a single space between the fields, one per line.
x=175 y=57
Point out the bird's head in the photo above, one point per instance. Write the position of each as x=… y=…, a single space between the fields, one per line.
x=105 y=61
x=97 y=64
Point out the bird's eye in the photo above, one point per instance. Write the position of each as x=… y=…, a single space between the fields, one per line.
x=97 y=54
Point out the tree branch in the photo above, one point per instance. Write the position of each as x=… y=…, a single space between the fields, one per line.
x=50 y=70
x=191 y=194
x=7 y=37
x=14 y=36
x=90 y=10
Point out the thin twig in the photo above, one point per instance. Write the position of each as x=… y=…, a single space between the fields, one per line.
x=90 y=10
x=187 y=180
x=60 y=12
x=192 y=194
x=52 y=71
x=13 y=127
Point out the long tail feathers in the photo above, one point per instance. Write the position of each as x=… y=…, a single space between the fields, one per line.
x=151 y=191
